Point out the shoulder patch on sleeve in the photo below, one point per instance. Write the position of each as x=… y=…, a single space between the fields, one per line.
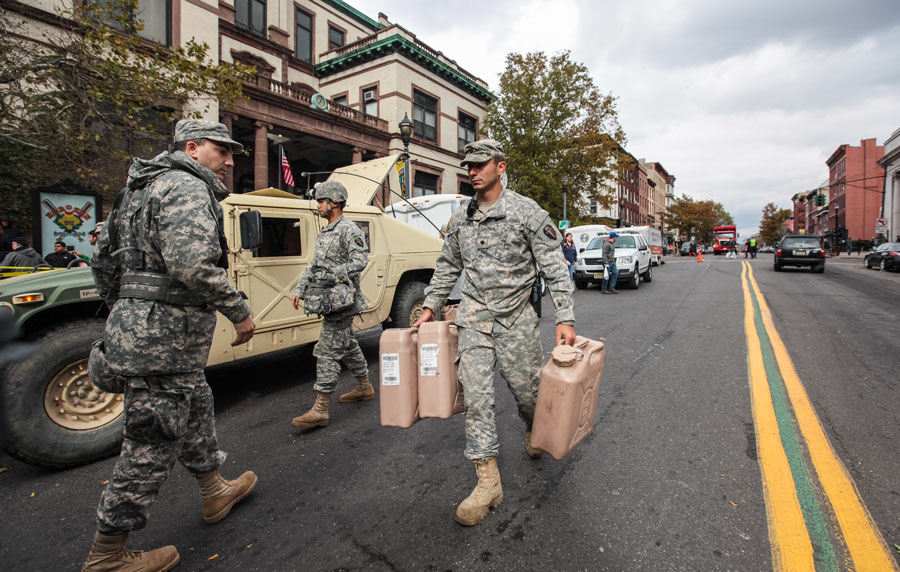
x=550 y=231
x=360 y=242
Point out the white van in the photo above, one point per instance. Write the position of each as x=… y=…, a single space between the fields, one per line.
x=632 y=261
x=652 y=236
x=428 y=213
x=582 y=235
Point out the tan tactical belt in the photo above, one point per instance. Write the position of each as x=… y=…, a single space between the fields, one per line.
x=156 y=287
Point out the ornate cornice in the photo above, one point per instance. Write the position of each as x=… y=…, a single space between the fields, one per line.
x=355 y=14
x=398 y=44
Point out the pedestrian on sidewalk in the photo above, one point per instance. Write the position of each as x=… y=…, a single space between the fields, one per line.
x=611 y=271
x=160 y=265
x=340 y=256
x=570 y=253
x=849 y=247
x=497 y=324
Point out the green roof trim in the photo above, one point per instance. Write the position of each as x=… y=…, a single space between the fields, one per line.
x=400 y=44
x=355 y=14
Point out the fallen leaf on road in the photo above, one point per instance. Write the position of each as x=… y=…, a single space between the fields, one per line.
x=734 y=504
x=3 y=469
x=213 y=557
x=106 y=482
x=321 y=454
x=293 y=440
x=602 y=339
x=191 y=548
x=600 y=549
x=249 y=545
x=897 y=548
x=31 y=495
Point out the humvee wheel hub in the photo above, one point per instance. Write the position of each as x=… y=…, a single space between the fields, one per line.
x=72 y=401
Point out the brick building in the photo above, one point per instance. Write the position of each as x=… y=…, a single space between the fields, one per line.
x=856 y=184
x=331 y=87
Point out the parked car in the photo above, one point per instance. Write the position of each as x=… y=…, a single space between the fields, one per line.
x=800 y=250
x=685 y=249
x=632 y=260
x=885 y=256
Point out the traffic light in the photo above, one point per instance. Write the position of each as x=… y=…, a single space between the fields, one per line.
x=820 y=200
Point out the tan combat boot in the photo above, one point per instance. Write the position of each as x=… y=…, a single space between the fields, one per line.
x=533 y=452
x=317 y=416
x=219 y=495
x=488 y=493
x=362 y=392
x=108 y=554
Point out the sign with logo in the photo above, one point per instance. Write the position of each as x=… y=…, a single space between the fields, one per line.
x=64 y=213
x=563 y=224
x=880 y=222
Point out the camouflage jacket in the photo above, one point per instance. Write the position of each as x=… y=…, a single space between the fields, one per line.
x=168 y=224
x=341 y=255
x=498 y=255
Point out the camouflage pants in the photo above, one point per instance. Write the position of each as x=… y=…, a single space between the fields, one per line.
x=517 y=352
x=336 y=344
x=167 y=418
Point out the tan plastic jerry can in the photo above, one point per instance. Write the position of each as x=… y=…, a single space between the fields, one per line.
x=399 y=378
x=440 y=393
x=567 y=397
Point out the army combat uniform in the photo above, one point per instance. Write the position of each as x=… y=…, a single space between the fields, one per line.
x=341 y=255
x=496 y=249
x=160 y=328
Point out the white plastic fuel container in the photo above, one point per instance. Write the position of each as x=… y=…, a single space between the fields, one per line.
x=567 y=397
x=440 y=393
x=399 y=377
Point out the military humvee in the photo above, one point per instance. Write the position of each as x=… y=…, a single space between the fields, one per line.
x=50 y=412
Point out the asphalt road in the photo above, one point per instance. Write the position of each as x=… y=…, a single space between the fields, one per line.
x=669 y=480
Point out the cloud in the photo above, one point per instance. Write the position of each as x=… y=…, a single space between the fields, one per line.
x=742 y=101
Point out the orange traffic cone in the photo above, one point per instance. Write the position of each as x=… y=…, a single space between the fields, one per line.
x=699 y=256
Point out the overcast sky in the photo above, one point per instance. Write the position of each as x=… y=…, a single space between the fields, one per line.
x=743 y=101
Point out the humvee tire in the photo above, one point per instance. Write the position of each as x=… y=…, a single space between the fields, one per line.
x=407 y=304
x=52 y=415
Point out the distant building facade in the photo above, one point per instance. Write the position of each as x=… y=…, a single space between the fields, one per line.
x=331 y=88
x=856 y=184
x=891 y=164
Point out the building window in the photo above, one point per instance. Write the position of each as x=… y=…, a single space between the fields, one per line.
x=155 y=15
x=424 y=116
x=251 y=14
x=335 y=38
x=304 y=35
x=593 y=206
x=467 y=128
x=340 y=100
x=370 y=101
x=425 y=184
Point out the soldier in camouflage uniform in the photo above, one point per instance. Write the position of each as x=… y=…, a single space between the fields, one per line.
x=160 y=263
x=341 y=255
x=496 y=244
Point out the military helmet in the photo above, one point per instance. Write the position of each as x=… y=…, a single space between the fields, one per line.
x=331 y=190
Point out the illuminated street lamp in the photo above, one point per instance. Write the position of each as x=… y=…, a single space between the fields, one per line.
x=406 y=130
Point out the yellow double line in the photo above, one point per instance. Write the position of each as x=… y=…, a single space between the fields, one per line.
x=797 y=533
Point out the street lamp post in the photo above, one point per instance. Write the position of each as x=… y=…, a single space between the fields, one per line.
x=565 y=185
x=406 y=130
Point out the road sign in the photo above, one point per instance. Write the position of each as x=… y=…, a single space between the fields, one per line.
x=563 y=224
x=880 y=222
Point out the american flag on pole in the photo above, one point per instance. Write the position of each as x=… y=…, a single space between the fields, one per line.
x=286 y=168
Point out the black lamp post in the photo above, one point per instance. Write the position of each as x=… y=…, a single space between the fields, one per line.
x=565 y=184
x=406 y=130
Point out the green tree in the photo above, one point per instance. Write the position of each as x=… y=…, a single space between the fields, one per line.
x=697 y=219
x=79 y=98
x=771 y=227
x=554 y=122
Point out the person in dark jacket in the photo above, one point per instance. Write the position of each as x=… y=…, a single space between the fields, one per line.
x=8 y=233
x=22 y=256
x=60 y=257
x=570 y=253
